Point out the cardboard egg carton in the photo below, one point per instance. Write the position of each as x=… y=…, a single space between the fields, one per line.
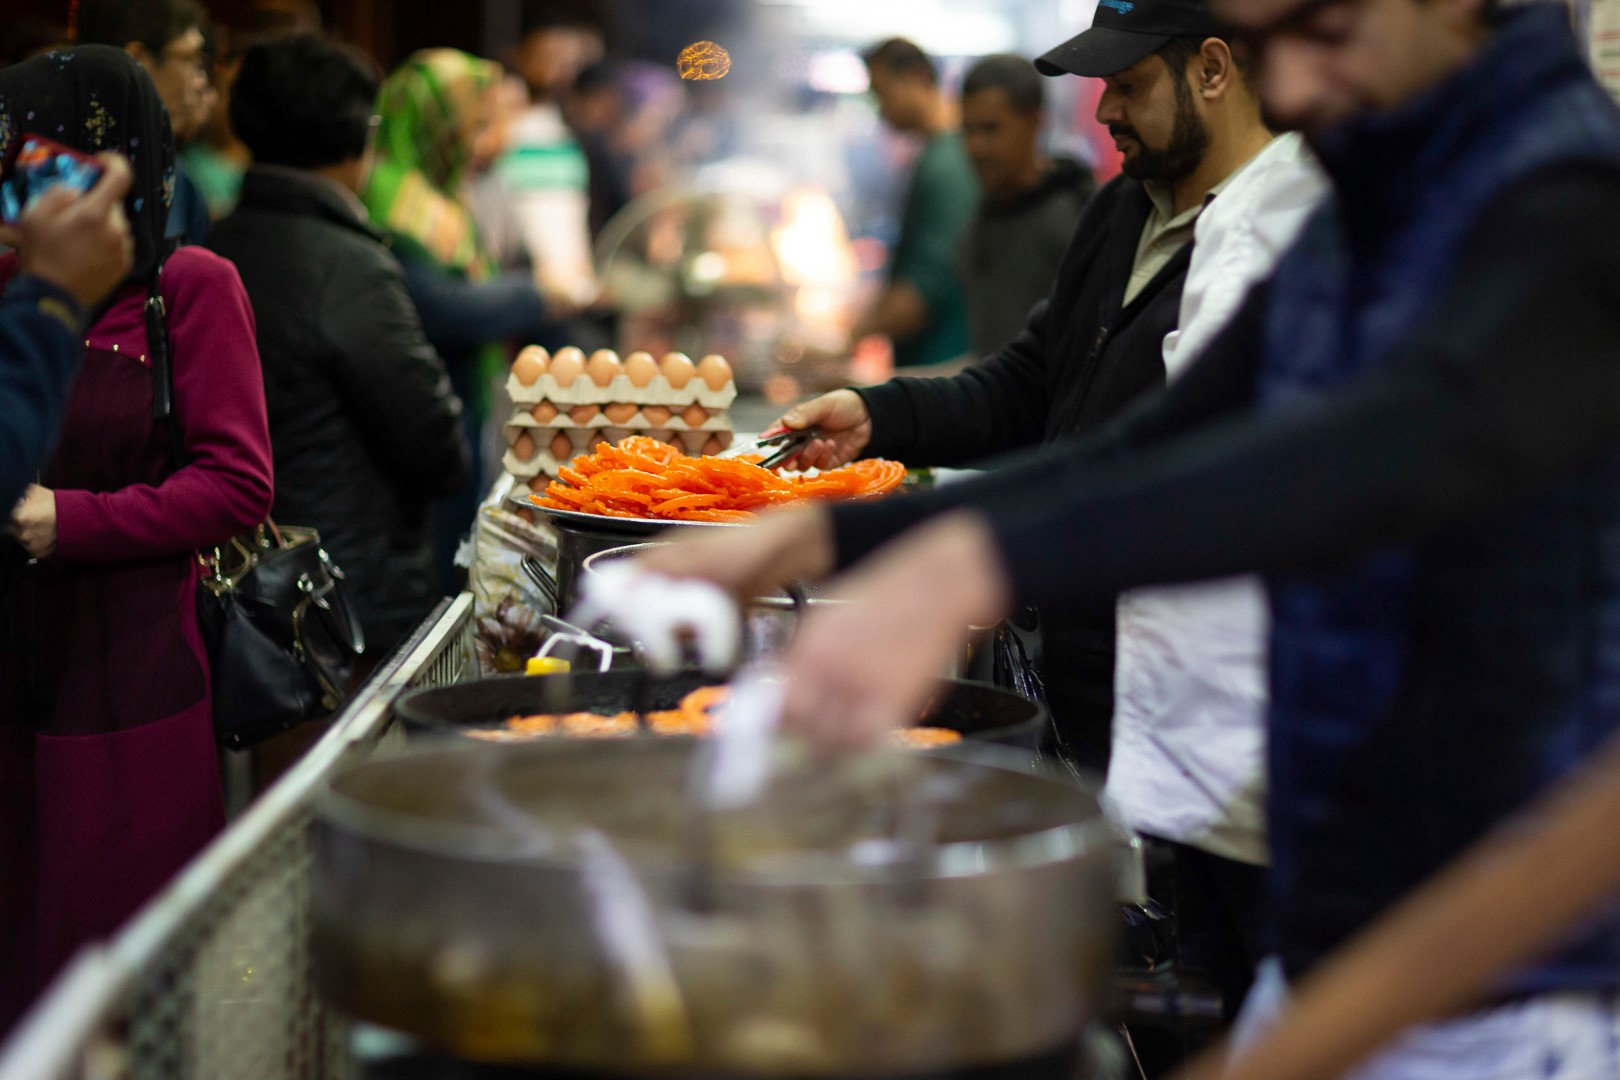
x=582 y=389
x=642 y=419
x=547 y=457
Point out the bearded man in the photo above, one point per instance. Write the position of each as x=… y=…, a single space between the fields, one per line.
x=1181 y=110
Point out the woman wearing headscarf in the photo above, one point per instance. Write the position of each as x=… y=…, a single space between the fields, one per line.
x=109 y=781
x=433 y=110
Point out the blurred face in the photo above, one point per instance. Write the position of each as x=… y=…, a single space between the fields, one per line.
x=1001 y=141
x=478 y=125
x=506 y=99
x=1156 y=121
x=598 y=110
x=902 y=100
x=1319 y=64
x=181 y=77
x=551 y=59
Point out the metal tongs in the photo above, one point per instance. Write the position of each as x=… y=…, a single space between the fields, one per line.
x=788 y=444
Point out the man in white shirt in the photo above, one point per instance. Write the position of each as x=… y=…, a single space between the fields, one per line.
x=1188 y=762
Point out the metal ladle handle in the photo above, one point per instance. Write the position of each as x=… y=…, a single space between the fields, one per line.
x=603 y=650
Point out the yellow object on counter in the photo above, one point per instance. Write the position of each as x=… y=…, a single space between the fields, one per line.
x=547 y=665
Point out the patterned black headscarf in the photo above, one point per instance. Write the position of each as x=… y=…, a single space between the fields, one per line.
x=94 y=98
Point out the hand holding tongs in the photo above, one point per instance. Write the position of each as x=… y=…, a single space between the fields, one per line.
x=788 y=444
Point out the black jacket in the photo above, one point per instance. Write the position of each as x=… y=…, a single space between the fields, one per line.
x=1082 y=357
x=364 y=425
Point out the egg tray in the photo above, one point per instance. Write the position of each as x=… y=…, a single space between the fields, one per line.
x=545 y=462
x=636 y=425
x=583 y=391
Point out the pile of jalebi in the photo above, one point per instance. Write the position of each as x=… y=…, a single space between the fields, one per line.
x=644 y=478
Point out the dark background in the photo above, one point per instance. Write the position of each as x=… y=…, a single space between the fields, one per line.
x=392 y=29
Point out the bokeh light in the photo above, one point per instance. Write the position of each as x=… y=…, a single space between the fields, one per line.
x=703 y=60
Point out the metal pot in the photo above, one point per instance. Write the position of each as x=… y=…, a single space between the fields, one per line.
x=462 y=895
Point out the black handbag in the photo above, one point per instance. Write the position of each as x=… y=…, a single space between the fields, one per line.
x=282 y=638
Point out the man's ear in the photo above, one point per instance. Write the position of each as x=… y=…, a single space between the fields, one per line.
x=1214 y=69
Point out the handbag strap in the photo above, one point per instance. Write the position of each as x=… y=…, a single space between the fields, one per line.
x=157 y=348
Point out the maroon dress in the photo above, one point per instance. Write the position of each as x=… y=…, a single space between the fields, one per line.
x=109 y=781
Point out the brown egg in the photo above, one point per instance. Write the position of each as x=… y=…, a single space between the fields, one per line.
x=567 y=365
x=523 y=447
x=620 y=412
x=714 y=371
x=530 y=364
x=641 y=368
x=604 y=367
x=678 y=369
x=695 y=416
x=714 y=445
x=656 y=415
x=544 y=413
x=583 y=414
x=561 y=447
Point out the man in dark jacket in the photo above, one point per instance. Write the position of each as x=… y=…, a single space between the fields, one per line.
x=365 y=426
x=1029 y=206
x=1186 y=119
x=1413 y=429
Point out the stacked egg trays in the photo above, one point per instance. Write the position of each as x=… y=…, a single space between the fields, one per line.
x=565 y=404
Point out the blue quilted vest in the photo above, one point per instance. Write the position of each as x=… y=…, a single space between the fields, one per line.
x=1422 y=694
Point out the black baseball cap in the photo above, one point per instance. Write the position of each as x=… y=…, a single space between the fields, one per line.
x=1126 y=31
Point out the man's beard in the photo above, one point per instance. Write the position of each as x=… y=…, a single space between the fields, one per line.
x=1189 y=141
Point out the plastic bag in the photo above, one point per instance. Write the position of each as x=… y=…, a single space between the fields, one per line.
x=508 y=600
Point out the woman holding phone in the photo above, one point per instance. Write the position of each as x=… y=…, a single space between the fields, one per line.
x=108 y=777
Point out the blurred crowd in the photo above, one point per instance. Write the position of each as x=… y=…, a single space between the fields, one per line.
x=293 y=296
x=1317 y=425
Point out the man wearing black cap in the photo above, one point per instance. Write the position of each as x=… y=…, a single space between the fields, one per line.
x=1183 y=114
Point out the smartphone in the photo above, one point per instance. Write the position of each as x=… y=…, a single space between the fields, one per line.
x=41 y=165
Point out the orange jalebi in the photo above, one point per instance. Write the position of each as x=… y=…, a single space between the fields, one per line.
x=642 y=477
x=692 y=717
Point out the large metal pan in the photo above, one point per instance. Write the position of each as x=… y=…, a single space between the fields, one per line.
x=459 y=897
x=977 y=710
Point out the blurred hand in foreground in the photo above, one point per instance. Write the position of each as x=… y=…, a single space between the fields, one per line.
x=787 y=545
x=844 y=423
x=78 y=242
x=861 y=668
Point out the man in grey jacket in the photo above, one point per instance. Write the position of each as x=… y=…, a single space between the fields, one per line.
x=1030 y=204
